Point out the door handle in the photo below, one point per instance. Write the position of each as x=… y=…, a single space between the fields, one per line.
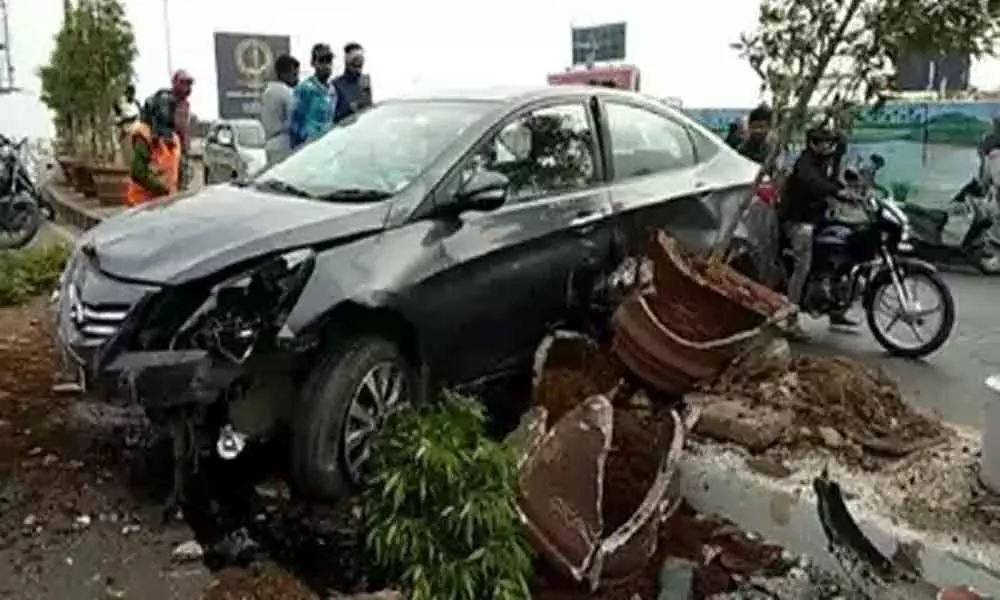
x=586 y=218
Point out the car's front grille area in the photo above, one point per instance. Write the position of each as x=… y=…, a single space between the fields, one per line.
x=95 y=321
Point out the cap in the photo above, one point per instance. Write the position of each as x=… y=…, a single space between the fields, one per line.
x=181 y=75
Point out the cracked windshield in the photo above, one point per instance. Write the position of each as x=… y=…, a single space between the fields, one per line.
x=500 y=301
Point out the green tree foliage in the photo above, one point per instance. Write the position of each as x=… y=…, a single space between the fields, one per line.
x=440 y=507
x=87 y=72
x=832 y=52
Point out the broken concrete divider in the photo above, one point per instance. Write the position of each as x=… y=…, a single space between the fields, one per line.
x=990 y=472
x=929 y=524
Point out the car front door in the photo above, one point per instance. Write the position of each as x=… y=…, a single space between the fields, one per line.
x=511 y=269
x=655 y=168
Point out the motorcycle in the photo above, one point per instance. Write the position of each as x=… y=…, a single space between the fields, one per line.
x=866 y=256
x=22 y=207
x=960 y=233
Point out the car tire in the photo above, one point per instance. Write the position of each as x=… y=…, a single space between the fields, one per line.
x=323 y=466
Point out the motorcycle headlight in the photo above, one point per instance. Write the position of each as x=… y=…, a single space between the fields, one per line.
x=242 y=309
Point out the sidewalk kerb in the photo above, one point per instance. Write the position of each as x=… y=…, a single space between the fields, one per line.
x=716 y=480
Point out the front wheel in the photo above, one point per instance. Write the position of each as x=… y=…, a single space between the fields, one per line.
x=926 y=326
x=20 y=219
x=344 y=403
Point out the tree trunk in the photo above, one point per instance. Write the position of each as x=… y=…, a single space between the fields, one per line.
x=785 y=129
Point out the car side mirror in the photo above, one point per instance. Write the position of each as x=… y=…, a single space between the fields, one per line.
x=225 y=138
x=486 y=190
x=878 y=161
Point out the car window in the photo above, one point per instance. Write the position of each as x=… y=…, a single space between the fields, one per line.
x=546 y=151
x=705 y=147
x=379 y=150
x=249 y=134
x=644 y=142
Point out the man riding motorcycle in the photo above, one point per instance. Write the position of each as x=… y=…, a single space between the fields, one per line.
x=805 y=200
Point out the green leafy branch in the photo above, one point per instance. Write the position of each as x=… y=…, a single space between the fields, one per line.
x=440 y=508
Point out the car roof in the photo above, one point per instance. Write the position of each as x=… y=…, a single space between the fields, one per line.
x=521 y=95
x=253 y=122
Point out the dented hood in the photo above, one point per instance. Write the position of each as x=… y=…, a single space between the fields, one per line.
x=183 y=239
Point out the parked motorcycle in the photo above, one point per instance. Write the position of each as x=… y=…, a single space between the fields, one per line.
x=960 y=233
x=22 y=207
x=866 y=256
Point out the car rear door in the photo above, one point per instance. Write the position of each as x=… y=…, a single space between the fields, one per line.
x=658 y=170
x=511 y=270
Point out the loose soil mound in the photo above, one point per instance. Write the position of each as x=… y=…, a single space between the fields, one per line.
x=863 y=403
x=573 y=371
x=262 y=582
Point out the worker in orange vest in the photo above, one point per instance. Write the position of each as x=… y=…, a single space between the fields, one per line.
x=156 y=151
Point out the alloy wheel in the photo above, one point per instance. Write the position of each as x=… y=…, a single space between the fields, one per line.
x=380 y=393
x=920 y=324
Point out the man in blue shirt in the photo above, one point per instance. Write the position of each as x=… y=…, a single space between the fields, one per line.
x=315 y=99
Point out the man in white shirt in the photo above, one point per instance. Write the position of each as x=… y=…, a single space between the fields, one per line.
x=276 y=108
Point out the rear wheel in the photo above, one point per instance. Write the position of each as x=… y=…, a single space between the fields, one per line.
x=344 y=404
x=922 y=329
x=988 y=262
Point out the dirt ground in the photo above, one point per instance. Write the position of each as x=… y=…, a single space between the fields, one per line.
x=74 y=527
x=71 y=526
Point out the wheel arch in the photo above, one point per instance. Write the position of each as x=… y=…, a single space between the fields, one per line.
x=351 y=317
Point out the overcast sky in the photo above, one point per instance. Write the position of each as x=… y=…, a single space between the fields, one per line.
x=682 y=49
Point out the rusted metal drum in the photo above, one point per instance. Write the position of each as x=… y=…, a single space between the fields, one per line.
x=691 y=324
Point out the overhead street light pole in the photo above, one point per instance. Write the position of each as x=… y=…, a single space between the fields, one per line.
x=166 y=36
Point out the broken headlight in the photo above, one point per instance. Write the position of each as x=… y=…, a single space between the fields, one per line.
x=243 y=309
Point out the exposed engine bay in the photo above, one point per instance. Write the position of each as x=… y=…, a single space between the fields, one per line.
x=213 y=369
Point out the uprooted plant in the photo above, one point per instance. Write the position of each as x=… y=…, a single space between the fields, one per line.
x=440 y=508
x=836 y=53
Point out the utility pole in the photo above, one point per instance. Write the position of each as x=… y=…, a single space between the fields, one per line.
x=166 y=38
x=6 y=63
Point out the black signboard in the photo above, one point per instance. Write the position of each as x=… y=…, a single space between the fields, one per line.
x=917 y=73
x=244 y=64
x=599 y=43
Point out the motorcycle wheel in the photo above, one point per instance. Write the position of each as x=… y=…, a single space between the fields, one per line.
x=989 y=262
x=882 y=283
x=20 y=221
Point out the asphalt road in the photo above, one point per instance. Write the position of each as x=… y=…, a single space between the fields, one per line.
x=951 y=380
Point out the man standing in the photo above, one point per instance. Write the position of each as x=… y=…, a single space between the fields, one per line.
x=126 y=111
x=353 y=87
x=180 y=88
x=758 y=142
x=276 y=108
x=315 y=99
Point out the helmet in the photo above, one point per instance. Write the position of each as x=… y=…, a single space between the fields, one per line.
x=158 y=113
x=822 y=137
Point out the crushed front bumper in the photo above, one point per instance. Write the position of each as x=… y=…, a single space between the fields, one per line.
x=171 y=378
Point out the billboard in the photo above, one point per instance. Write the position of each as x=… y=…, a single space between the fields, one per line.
x=916 y=73
x=600 y=43
x=244 y=63
x=625 y=77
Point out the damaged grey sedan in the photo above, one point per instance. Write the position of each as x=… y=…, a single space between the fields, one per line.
x=427 y=241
